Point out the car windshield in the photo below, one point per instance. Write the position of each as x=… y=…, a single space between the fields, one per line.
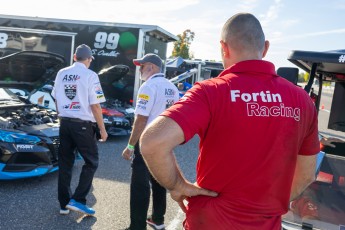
x=7 y=95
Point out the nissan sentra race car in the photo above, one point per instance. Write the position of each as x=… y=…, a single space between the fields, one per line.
x=29 y=134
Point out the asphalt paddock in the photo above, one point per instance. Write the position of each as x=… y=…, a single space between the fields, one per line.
x=32 y=203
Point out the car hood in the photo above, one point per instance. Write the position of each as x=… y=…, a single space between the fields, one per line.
x=29 y=70
x=113 y=73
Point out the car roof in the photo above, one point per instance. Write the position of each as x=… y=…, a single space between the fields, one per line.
x=329 y=64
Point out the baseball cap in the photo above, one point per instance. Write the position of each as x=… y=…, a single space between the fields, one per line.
x=150 y=57
x=83 y=52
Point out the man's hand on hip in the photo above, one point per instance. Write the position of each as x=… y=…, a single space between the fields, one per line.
x=187 y=190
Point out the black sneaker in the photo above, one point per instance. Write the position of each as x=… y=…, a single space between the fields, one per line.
x=156 y=226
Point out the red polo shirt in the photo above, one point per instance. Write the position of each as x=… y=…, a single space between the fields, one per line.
x=252 y=125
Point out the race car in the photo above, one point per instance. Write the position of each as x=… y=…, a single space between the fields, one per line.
x=322 y=204
x=117 y=119
x=29 y=134
x=118 y=116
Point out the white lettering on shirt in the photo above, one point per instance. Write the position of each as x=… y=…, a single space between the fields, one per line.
x=255 y=109
x=247 y=97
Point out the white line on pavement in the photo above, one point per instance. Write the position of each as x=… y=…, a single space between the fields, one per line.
x=177 y=221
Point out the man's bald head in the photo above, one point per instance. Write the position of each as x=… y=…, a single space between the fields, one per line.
x=243 y=33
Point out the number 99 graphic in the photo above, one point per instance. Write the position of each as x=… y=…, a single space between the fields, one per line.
x=109 y=41
x=3 y=40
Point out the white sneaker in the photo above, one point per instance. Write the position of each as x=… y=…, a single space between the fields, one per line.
x=154 y=225
x=64 y=211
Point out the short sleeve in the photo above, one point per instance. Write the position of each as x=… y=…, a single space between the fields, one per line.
x=53 y=92
x=191 y=112
x=145 y=100
x=96 y=94
x=311 y=142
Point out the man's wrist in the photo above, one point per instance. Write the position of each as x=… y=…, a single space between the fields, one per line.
x=130 y=147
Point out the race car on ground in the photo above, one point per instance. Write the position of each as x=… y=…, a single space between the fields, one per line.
x=29 y=134
x=118 y=117
x=322 y=204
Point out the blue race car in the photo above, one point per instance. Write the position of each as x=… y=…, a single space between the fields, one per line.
x=29 y=133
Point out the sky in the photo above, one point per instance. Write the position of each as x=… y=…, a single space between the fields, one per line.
x=311 y=25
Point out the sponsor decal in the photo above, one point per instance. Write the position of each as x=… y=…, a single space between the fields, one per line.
x=141 y=107
x=105 y=53
x=25 y=147
x=70 y=91
x=46 y=103
x=169 y=92
x=71 y=78
x=100 y=96
x=142 y=102
x=98 y=89
x=341 y=58
x=143 y=99
x=169 y=103
x=144 y=96
x=259 y=110
x=73 y=106
x=40 y=100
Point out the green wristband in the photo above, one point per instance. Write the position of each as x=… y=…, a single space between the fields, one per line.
x=130 y=147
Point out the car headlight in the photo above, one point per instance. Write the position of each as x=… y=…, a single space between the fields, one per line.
x=14 y=137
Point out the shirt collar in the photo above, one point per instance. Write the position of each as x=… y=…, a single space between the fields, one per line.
x=79 y=64
x=258 y=66
x=156 y=75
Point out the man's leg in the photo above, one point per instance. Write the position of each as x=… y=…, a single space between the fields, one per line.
x=84 y=136
x=66 y=161
x=140 y=192
x=159 y=201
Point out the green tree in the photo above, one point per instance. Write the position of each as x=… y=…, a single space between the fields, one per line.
x=303 y=77
x=182 y=45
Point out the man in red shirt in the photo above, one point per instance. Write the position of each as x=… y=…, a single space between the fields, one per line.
x=258 y=139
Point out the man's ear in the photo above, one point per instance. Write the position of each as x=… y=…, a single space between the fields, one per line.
x=225 y=49
x=267 y=45
x=74 y=57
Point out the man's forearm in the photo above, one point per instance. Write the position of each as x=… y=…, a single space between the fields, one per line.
x=97 y=113
x=138 y=128
x=157 y=144
x=304 y=175
x=163 y=167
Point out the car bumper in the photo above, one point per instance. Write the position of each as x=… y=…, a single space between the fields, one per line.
x=39 y=171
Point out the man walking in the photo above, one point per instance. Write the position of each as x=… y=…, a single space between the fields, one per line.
x=154 y=96
x=78 y=94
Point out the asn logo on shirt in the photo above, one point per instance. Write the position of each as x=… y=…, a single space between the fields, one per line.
x=169 y=92
x=255 y=109
x=70 y=78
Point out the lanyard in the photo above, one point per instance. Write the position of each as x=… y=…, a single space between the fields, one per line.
x=158 y=75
